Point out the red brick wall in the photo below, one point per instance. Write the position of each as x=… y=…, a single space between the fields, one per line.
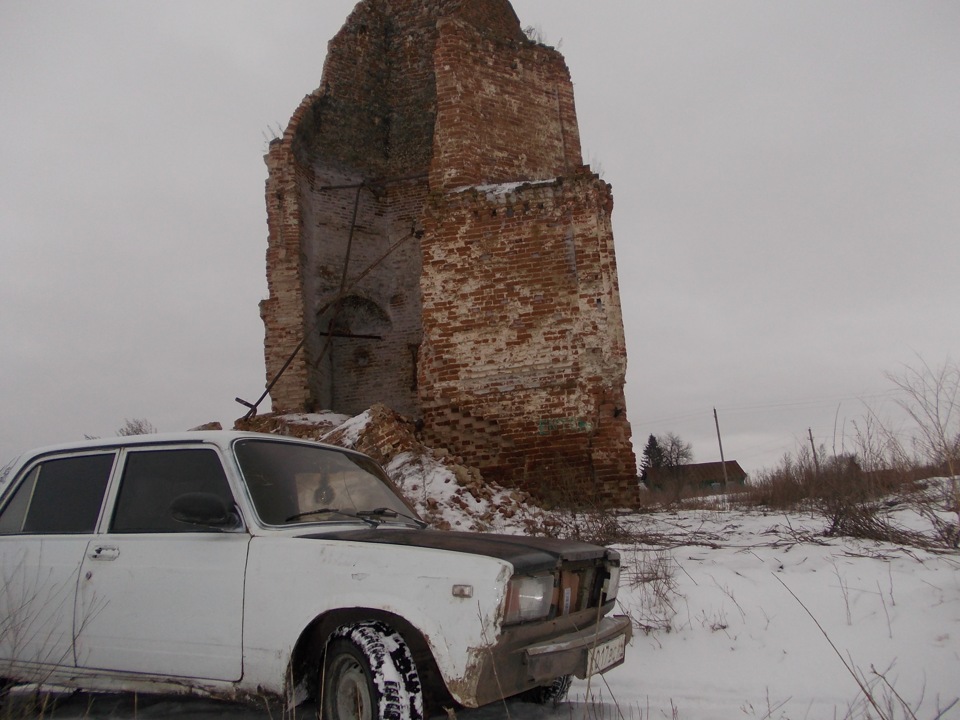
x=348 y=374
x=282 y=311
x=497 y=308
x=523 y=358
x=505 y=111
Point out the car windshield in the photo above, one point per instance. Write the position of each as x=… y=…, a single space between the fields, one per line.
x=292 y=483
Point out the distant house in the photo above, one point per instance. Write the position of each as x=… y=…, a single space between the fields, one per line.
x=696 y=475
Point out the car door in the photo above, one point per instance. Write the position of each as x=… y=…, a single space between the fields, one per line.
x=48 y=518
x=156 y=595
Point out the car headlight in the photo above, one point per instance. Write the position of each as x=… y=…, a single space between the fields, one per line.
x=528 y=598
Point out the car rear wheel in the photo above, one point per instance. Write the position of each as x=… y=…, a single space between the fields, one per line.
x=369 y=674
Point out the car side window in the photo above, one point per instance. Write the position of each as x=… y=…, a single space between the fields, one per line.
x=60 y=495
x=153 y=479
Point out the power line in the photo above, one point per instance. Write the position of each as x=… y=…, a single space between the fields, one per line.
x=776 y=405
x=809 y=403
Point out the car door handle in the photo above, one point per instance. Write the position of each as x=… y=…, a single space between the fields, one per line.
x=103 y=552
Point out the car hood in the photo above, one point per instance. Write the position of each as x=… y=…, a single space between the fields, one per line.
x=526 y=554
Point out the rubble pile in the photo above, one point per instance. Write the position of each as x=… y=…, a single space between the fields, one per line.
x=310 y=426
x=447 y=493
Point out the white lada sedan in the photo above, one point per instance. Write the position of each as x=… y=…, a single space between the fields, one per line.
x=257 y=567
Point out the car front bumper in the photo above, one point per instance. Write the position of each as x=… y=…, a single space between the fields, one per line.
x=528 y=656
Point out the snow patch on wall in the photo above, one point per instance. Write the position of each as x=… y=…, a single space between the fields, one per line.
x=498 y=190
x=452 y=497
x=349 y=431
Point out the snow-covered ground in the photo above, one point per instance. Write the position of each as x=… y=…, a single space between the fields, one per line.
x=771 y=620
x=746 y=615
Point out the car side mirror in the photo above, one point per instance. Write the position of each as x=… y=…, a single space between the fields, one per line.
x=205 y=510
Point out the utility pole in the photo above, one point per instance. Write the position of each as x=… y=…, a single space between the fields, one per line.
x=816 y=460
x=723 y=463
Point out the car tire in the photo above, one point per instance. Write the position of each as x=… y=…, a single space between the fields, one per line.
x=555 y=692
x=368 y=673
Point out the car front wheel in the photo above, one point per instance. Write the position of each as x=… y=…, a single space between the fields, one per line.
x=555 y=692
x=369 y=674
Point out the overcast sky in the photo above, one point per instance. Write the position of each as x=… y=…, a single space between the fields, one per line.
x=787 y=204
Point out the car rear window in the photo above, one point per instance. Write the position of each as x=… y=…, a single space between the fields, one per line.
x=61 y=495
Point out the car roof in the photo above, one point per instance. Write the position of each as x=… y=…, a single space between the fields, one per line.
x=220 y=438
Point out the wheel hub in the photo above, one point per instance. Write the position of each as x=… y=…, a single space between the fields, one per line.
x=352 y=697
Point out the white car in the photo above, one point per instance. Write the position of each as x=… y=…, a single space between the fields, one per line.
x=264 y=568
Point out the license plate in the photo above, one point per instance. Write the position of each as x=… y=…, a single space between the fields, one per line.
x=606 y=655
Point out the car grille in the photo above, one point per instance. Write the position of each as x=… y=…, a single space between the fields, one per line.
x=579 y=587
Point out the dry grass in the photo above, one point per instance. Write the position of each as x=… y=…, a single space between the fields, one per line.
x=650 y=572
x=858 y=502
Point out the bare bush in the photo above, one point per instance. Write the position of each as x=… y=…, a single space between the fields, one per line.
x=854 y=491
x=651 y=573
x=931 y=398
x=571 y=510
x=599 y=527
x=786 y=486
x=854 y=501
x=934 y=501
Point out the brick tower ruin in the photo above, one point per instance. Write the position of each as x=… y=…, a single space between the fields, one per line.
x=437 y=245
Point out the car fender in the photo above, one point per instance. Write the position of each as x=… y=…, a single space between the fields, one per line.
x=293 y=581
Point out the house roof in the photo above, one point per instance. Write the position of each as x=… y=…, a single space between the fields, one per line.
x=698 y=473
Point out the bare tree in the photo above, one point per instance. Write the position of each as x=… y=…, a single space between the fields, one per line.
x=137 y=426
x=676 y=452
x=931 y=396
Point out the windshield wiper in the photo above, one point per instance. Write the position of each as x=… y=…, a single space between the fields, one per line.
x=325 y=511
x=385 y=512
